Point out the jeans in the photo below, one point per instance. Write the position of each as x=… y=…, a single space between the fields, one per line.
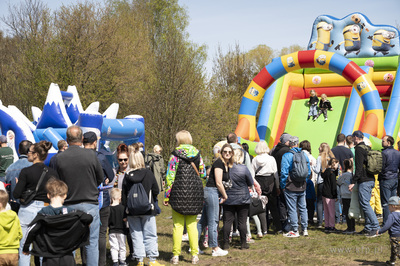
x=191 y=225
x=388 y=189
x=92 y=250
x=294 y=200
x=313 y=110
x=26 y=215
x=364 y=194
x=210 y=215
x=320 y=205
x=104 y=215
x=143 y=231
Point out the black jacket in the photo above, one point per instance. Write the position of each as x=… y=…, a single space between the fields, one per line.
x=361 y=175
x=279 y=150
x=313 y=100
x=54 y=236
x=325 y=105
x=329 y=189
x=146 y=177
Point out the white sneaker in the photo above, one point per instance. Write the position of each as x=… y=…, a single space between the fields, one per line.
x=249 y=239
x=236 y=233
x=292 y=234
x=175 y=260
x=305 y=233
x=195 y=259
x=185 y=238
x=219 y=252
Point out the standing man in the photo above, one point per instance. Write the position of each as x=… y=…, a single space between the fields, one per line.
x=81 y=170
x=277 y=152
x=62 y=145
x=12 y=172
x=366 y=182
x=6 y=157
x=295 y=192
x=90 y=142
x=388 y=178
x=341 y=153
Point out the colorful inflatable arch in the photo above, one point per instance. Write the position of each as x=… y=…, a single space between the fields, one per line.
x=359 y=77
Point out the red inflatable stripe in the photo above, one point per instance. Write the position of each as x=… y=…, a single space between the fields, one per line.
x=306 y=59
x=264 y=79
x=352 y=72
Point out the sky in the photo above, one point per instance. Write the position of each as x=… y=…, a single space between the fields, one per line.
x=249 y=23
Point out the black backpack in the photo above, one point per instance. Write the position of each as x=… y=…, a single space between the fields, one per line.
x=299 y=171
x=139 y=202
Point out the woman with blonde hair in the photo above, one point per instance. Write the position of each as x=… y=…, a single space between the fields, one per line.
x=184 y=192
x=325 y=154
x=266 y=174
x=238 y=200
x=142 y=227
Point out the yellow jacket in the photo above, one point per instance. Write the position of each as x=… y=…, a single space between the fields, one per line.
x=10 y=232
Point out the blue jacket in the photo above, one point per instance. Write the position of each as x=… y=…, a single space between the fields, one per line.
x=390 y=163
x=108 y=174
x=286 y=168
x=13 y=171
x=241 y=178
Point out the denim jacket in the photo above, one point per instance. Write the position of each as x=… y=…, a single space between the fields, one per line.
x=12 y=172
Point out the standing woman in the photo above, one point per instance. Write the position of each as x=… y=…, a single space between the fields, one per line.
x=238 y=201
x=329 y=194
x=219 y=172
x=184 y=192
x=325 y=154
x=28 y=180
x=266 y=173
x=143 y=228
x=123 y=165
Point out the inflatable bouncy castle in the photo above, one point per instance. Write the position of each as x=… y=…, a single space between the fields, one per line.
x=63 y=109
x=352 y=61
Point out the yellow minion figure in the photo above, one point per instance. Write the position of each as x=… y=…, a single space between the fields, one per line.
x=290 y=62
x=323 y=41
x=381 y=41
x=352 y=40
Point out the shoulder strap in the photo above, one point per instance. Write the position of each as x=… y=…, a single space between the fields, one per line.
x=195 y=168
x=45 y=170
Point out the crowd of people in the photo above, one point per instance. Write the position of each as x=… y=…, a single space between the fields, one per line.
x=79 y=198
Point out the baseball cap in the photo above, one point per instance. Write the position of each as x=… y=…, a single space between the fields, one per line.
x=3 y=139
x=89 y=137
x=285 y=137
x=394 y=200
x=358 y=134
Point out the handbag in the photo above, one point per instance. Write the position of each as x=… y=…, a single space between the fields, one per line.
x=257 y=205
x=227 y=184
x=28 y=195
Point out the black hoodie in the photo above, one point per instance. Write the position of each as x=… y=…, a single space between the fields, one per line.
x=279 y=150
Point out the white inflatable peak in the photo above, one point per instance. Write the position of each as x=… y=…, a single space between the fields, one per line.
x=112 y=111
x=36 y=113
x=93 y=108
x=18 y=114
x=75 y=99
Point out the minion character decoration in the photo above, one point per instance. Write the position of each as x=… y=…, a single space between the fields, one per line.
x=323 y=41
x=381 y=41
x=352 y=40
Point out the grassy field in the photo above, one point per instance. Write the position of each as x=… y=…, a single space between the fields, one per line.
x=316 y=249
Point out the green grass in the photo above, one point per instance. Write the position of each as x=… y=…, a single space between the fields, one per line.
x=316 y=249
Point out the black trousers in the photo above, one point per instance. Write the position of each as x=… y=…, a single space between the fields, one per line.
x=351 y=223
x=67 y=260
x=104 y=215
x=310 y=210
x=242 y=212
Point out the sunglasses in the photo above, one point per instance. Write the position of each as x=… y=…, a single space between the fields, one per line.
x=31 y=152
x=227 y=152
x=123 y=160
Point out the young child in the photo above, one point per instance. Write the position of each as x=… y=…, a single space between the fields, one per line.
x=10 y=233
x=313 y=102
x=116 y=224
x=343 y=182
x=310 y=199
x=57 y=230
x=393 y=225
x=324 y=106
x=329 y=194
